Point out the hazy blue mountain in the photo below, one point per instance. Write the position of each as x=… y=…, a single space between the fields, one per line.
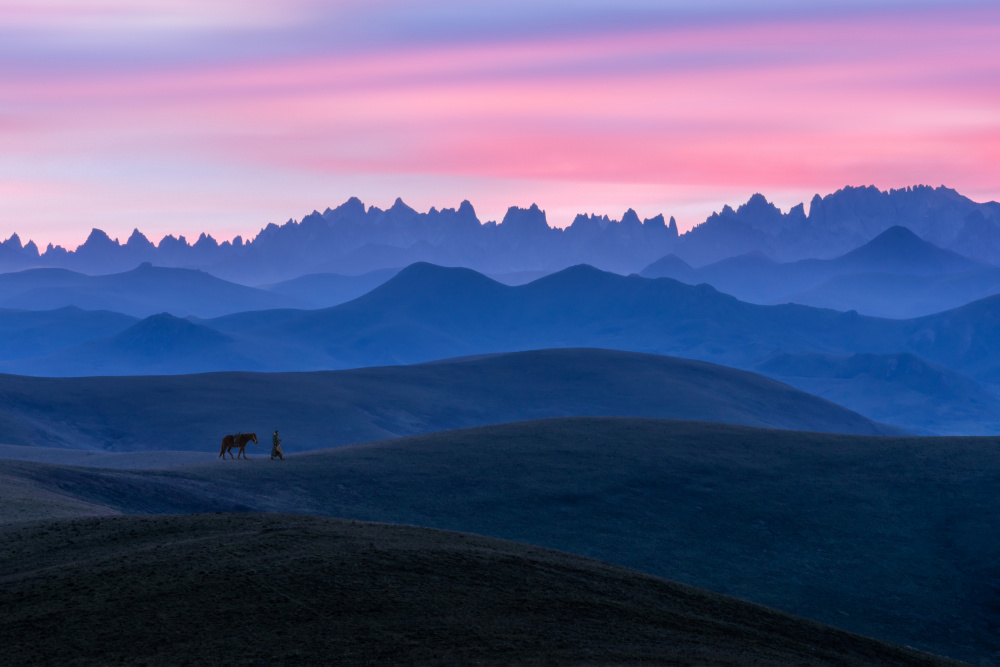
x=141 y=292
x=158 y=344
x=353 y=239
x=841 y=221
x=518 y=277
x=895 y=252
x=899 y=250
x=900 y=389
x=322 y=290
x=324 y=409
x=427 y=312
x=900 y=297
x=26 y=334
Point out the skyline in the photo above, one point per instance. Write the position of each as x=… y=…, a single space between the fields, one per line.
x=176 y=119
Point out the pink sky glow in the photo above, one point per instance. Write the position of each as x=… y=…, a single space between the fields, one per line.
x=174 y=119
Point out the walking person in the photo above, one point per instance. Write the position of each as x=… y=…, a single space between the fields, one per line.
x=276 y=447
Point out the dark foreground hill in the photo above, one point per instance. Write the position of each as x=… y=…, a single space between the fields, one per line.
x=895 y=538
x=253 y=589
x=315 y=410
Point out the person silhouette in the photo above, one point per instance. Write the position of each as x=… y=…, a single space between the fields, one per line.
x=276 y=447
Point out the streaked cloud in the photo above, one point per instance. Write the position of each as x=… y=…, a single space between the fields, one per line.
x=252 y=112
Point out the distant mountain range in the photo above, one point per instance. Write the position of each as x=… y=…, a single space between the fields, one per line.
x=897 y=274
x=352 y=239
x=427 y=312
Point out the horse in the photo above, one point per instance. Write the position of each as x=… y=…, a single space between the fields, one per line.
x=239 y=440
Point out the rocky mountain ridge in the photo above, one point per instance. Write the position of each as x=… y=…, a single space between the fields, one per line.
x=353 y=239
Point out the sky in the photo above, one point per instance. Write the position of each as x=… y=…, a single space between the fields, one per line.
x=181 y=116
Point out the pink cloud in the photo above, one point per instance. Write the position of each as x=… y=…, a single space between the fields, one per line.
x=803 y=106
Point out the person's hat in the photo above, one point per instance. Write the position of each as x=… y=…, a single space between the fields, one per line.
x=275 y=430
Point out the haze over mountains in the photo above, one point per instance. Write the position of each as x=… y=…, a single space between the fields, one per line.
x=352 y=239
x=427 y=312
x=897 y=274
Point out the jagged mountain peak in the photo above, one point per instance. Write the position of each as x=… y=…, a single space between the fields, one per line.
x=630 y=218
x=399 y=207
x=138 y=240
x=99 y=237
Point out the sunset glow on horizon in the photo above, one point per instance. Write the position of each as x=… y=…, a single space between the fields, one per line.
x=177 y=119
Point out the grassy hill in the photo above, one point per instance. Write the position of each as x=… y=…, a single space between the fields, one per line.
x=254 y=589
x=896 y=538
x=323 y=409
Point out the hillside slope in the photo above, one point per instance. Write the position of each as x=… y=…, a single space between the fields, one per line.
x=323 y=591
x=897 y=538
x=324 y=409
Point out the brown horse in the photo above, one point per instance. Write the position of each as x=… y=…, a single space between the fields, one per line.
x=239 y=440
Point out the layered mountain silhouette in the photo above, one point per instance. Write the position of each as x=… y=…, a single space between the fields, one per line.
x=427 y=312
x=324 y=409
x=895 y=388
x=322 y=290
x=900 y=296
x=887 y=277
x=39 y=333
x=844 y=220
x=353 y=239
x=143 y=291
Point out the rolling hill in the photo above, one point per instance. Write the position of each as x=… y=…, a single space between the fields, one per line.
x=897 y=538
x=308 y=590
x=323 y=409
